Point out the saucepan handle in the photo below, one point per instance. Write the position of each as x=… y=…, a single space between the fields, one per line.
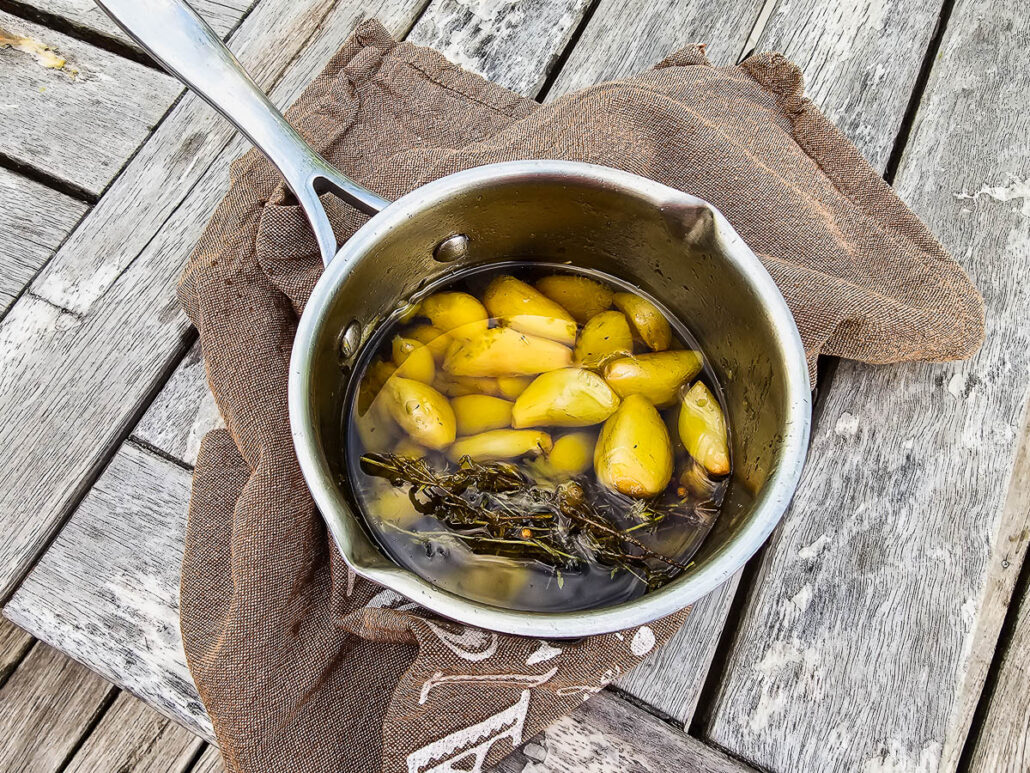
x=189 y=49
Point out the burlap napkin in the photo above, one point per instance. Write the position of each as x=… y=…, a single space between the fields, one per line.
x=301 y=665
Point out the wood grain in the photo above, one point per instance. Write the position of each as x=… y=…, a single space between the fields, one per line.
x=48 y=697
x=182 y=413
x=861 y=60
x=14 y=643
x=107 y=591
x=80 y=122
x=71 y=383
x=883 y=591
x=608 y=735
x=624 y=38
x=34 y=220
x=512 y=44
x=132 y=737
x=222 y=15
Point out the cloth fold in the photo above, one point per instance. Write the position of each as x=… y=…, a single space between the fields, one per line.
x=301 y=664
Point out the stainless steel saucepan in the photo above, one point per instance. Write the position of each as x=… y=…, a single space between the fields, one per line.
x=674 y=246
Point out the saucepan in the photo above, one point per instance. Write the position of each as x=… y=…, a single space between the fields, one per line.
x=672 y=245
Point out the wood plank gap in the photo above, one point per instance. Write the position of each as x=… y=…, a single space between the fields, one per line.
x=7 y=672
x=1006 y=641
x=756 y=31
x=45 y=178
x=87 y=482
x=98 y=715
x=718 y=668
x=198 y=756
x=916 y=97
x=415 y=19
x=150 y=448
x=563 y=57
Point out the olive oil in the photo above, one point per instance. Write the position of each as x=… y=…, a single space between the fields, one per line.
x=537 y=437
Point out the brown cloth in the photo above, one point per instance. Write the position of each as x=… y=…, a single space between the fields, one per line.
x=301 y=665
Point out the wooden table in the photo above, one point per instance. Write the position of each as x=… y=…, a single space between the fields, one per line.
x=864 y=636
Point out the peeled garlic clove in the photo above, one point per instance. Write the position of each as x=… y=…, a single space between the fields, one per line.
x=524 y=308
x=376 y=430
x=656 y=375
x=583 y=298
x=433 y=338
x=409 y=448
x=702 y=429
x=458 y=314
x=480 y=413
x=392 y=504
x=510 y=387
x=456 y=386
x=571 y=455
x=503 y=351
x=421 y=411
x=634 y=453
x=604 y=336
x=571 y=397
x=500 y=444
x=413 y=360
x=648 y=322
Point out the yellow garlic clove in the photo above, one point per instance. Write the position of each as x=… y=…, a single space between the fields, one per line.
x=604 y=336
x=432 y=337
x=510 y=387
x=421 y=411
x=522 y=307
x=408 y=447
x=504 y=351
x=634 y=453
x=480 y=413
x=456 y=386
x=571 y=397
x=648 y=322
x=413 y=360
x=571 y=455
x=500 y=444
x=702 y=428
x=391 y=504
x=458 y=314
x=583 y=298
x=656 y=375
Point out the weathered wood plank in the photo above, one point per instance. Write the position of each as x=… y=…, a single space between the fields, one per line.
x=34 y=220
x=210 y=761
x=885 y=586
x=72 y=110
x=222 y=15
x=132 y=737
x=512 y=44
x=14 y=643
x=623 y=38
x=106 y=593
x=861 y=61
x=69 y=384
x=608 y=735
x=182 y=413
x=47 y=697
